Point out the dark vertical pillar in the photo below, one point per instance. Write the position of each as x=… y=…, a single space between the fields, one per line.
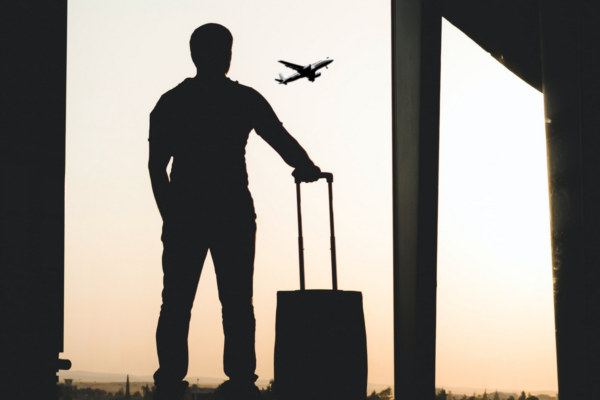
x=416 y=52
x=571 y=66
x=32 y=196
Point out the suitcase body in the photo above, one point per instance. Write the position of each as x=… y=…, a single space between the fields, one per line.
x=320 y=342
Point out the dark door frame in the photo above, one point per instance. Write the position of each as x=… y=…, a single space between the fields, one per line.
x=32 y=199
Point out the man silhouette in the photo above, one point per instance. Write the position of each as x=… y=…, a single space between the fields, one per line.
x=204 y=124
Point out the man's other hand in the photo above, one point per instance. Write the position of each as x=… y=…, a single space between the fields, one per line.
x=307 y=174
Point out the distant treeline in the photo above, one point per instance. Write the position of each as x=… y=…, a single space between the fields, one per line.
x=73 y=393
x=147 y=393
x=443 y=395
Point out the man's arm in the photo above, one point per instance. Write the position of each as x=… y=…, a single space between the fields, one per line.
x=160 y=155
x=269 y=127
x=157 y=165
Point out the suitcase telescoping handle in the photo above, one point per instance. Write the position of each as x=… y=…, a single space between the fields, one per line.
x=329 y=177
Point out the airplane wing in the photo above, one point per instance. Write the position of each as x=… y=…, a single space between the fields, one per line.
x=292 y=66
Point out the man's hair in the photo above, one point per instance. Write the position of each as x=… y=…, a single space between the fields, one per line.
x=210 y=46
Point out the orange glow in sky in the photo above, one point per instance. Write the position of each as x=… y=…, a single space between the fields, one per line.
x=495 y=315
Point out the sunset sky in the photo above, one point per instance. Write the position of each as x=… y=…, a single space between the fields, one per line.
x=495 y=313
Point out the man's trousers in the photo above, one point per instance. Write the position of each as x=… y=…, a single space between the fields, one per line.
x=186 y=242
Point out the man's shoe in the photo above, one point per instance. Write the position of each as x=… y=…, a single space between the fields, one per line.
x=254 y=393
x=235 y=391
x=171 y=393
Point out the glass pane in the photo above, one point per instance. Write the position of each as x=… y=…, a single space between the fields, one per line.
x=495 y=321
x=121 y=58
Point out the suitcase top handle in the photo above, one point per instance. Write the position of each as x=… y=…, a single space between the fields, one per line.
x=329 y=177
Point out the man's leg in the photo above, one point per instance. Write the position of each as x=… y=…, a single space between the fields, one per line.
x=183 y=258
x=232 y=250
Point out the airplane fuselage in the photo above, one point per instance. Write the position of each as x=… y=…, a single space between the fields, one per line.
x=308 y=71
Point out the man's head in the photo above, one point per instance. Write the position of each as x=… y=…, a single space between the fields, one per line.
x=210 y=46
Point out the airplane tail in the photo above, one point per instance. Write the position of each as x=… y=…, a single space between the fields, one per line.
x=281 y=79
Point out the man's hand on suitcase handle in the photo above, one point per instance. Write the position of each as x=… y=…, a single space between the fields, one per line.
x=312 y=174
x=307 y=174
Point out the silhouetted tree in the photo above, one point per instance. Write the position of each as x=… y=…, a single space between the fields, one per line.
x=441 y=395
x=385 y=394
x=127 y=393
x=511 y=398
x=522 y=396
x=496 y=395
x=464 y=397
x=267 y=393
x=450 y=396
x=148 y=392
x=531 y=397
x=485 y=396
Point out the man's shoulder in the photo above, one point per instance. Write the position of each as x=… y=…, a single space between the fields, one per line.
x=243 y=89
x=172 y=98
x=182 y=88
x=178 y=96
x=189 y=86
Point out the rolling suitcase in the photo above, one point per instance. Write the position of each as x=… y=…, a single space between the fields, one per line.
x=320 y=337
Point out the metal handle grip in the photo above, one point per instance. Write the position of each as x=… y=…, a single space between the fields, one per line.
x=326 y=175
x=329 y=177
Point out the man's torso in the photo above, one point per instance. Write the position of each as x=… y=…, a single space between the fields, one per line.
x=206 y=127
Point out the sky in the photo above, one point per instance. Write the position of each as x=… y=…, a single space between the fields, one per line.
x=495 y=317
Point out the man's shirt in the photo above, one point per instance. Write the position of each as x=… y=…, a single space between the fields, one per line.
x=204 y=126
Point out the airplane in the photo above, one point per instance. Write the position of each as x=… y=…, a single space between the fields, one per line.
x=308 y=71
